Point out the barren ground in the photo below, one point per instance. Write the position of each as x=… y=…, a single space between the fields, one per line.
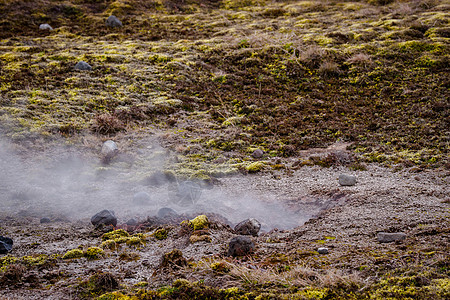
x=189 y=90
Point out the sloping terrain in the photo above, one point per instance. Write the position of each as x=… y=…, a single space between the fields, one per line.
x=189 y=89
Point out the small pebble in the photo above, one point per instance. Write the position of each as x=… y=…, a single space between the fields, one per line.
x=386 y=237
x=83 y=66
x=347 y=180
x=45 y=27
x=322 y=250
x=258 y=153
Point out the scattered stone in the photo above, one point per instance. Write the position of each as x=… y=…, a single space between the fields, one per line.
x=187 y=193
x=109 y=148
x=166 y=212
x=386 y=237
x=322 y=250
x=141 y=198
x=112 y=21
x=45 y=27
x=258 y=153
x=248 y=227
x=5 y=244
x=45 y=220
x=347 y=180
x=240 y=246
x=105 y=217
x=132 y=222
x=83 y=66
x=173 y=259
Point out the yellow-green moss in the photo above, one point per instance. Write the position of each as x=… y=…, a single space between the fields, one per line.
x=255 y=167
x=6 y=261
x=93 y=253
x=109 y=244
x=73 y=254
x=199 y=222
x=115 y=234
x=160 y=234
x=35 y=260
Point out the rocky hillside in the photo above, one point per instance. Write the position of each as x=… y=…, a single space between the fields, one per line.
x=327 y=121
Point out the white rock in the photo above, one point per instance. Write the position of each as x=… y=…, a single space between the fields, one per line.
x=45 y=27
x=109 y=148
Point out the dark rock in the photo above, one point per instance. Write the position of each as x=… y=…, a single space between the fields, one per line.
x=258 y=153
x=105 y=217
x=132 y=222
x=166 y=212
x=83 y=66
x=347 y=180
x=322 y=250
x=112 y=21
x=173 y=260
x=386 y=237
x=240 y=246
x=45 y=27
x=186 y=193
x=141 y=198
x=5 y=244
x=45 y=220
x=248 y=227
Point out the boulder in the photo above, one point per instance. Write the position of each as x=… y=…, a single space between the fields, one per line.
x=387 y=237
x=5 y=244
x=45 y=220
x=347 y=180
x=322 y=250
x=45 y=27
x=248 y=227
x=258 y=153
x=113 y=22
x=240 y=246
x=105 y=217
x=109 y=148
x=132 y=222
x=83 y=66
x=166 y=212
x=141 y=198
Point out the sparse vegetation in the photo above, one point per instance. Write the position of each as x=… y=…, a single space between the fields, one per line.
x=217 y=80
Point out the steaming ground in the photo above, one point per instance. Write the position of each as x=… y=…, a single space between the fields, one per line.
x=69 y=185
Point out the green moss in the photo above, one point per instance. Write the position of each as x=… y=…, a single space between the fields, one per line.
x=115 y=296
x=220 y=267
x=109 y=244
x=35 y=260
x=255 y=167
x=160 y=234
x=115 y=234
x=7 y=260
x=93 y=253
x=73 y=254
x=199 y=222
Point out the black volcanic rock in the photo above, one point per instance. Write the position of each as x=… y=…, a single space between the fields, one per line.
x=240 y=246
x=5 y=244
x=105 y=217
